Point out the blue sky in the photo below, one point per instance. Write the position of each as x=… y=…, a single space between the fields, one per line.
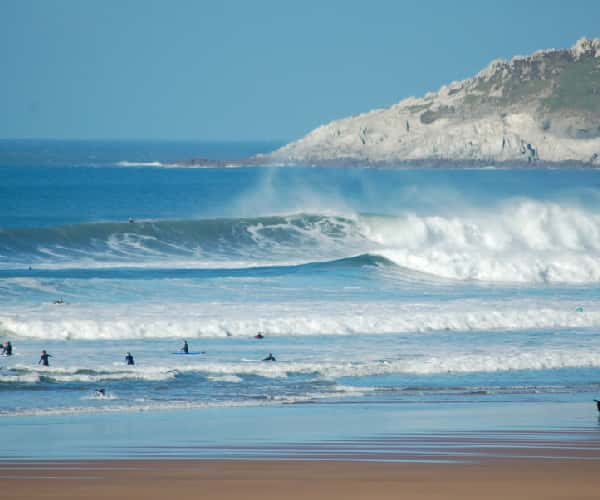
x=243 y=70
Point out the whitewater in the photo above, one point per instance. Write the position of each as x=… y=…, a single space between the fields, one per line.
x=368 y=285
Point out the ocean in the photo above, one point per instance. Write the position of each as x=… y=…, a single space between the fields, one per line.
x=370 y=286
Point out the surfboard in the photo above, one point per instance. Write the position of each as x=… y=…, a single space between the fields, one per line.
x=191 y=353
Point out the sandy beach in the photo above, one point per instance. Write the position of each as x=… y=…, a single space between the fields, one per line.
x=575 y=478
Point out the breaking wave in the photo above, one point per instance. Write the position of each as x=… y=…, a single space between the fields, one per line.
x=234 y=372
x=522 y=242
x=300 y=319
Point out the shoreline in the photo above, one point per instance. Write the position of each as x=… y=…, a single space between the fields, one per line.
x=425 y=432
x=419 y=163
x=464 y=452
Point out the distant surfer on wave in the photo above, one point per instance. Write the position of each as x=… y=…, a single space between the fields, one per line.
x=185 y=349
x=129 y=359
x=44 y=358
x=7 y=348
x=270 y=357
x=259 y=335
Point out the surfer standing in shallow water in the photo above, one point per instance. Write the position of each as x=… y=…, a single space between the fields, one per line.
x=7 y=349
x=44 y=358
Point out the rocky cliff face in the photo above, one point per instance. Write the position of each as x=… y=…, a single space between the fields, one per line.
x=535 y=109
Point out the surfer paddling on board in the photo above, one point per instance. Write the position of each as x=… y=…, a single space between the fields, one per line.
x=185 y=349
x=270 y=357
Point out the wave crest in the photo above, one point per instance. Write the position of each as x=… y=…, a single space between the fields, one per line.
x=521 y=242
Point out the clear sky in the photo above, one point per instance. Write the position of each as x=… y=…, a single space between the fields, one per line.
x=255 y=69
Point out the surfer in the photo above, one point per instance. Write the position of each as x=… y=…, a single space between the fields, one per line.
x=259 y=335
x=7 y=348
x=185 y=349
x=44 y=358
x=129 y=359
x=59 y=301
x=101 y=393
x=131 y=220
x=270 y=357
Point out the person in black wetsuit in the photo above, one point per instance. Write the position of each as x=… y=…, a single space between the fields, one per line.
x=185 y=349
x=44 y=358
x=129 y=359
x=270 y=357
x=259 y=336
x=7 y=348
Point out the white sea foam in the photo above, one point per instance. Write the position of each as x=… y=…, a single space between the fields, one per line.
x=27 y=378
x=225 y=378
x=172 y=320
x=443 y=362
x=539 y=359
x=98 y=396
x=522 y=241
x=28 y=283
x=139 y=164
x=500 y=360
x=136 y=407
x=144 y=405
x=35 y=373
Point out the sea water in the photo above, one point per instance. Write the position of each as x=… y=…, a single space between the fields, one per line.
x=368 y=285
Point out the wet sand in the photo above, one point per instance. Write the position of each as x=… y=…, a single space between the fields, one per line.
x=575 y=478
x=516 y=462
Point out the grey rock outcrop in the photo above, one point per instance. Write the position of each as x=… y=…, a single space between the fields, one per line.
x=542 y=108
